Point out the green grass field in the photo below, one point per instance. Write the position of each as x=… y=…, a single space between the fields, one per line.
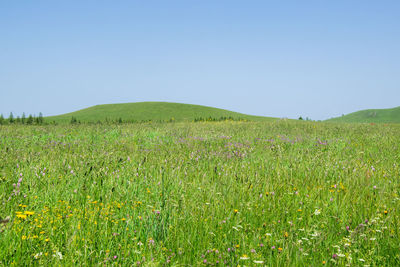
x=371 y=116
x=277 y=193
x=151 y=111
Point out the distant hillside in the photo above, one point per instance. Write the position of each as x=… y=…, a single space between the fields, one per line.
x=154 y=111
x=371 y=115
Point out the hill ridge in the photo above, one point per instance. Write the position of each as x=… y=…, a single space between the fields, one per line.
x=152 y=111
x=388 y=115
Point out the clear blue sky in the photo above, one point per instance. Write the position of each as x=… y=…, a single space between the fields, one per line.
x=275 y=58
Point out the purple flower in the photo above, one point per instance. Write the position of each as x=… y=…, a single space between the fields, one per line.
x=347 y=228
x=261 y=244
x=115 y=256
x=374 y=186
x=334 y=256
x=205 y=261
x=273 y=247
x=366 y=220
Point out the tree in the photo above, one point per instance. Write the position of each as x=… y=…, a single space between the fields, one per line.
x=23 y=118
x=11 y=118
x=300 y=118
x=30 y=119
x=1 y=119
x=40 y=118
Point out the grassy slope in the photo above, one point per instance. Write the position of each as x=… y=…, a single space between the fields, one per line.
x=371 y=115
x=155 y=111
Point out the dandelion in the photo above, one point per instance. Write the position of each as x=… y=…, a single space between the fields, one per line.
x=385 y=212
x=21 y=216
x=235 y=211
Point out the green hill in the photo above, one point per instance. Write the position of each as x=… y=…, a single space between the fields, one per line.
x=371 y=115
x=154 y=111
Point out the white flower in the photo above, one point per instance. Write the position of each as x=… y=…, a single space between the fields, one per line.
x=317 y=212
x=58 y=254
x=259 y=262
x=38 y=255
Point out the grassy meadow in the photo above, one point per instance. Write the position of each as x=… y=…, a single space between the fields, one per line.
x=277 y=193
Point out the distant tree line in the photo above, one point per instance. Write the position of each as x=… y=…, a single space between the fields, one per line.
x=222 y=118
x=32 y=119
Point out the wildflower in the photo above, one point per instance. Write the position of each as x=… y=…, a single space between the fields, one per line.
x=115 y=257
x=37 y=256
x=258 y=262
x=385 y=212
x=237 y=246
x=235 y=211
x=29 y=213
x=47 y=240
x=253 y=250
x=286 y=234
x=374 y=186
x=347 y=228
x=58 y=255
x=204 y=261
x=317 y=212
x=261 y=245
x=299 y=210
x=334 y=256
x=244 y=257
x=323 y=262
x=280 y=249
x=273 y=247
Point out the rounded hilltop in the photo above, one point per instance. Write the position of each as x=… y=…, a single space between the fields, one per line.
x=152 y=111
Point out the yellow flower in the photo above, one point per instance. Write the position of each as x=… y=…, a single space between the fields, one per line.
x=299 y=210
x=386 y=212
x=47 y=240
x=237 y=246
x=21 y=216
x=286 y=234
x=29 y=213
x=280 y=249
x=235 y=211
x=323 y=262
